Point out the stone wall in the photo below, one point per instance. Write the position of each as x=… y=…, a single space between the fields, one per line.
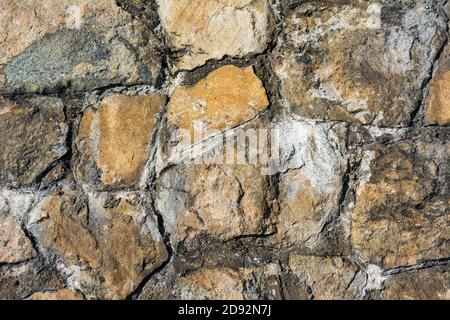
x=92 y=205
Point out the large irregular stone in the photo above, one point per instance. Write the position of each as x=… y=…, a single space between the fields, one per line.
x=328 y=278
x=218 y=201
x=437 y=108
x=33 y=137
x=106 y=245
x=227 y=97
x=363 y=62
x=15 y=247
x=115 y=140
x=427 y=284
x=401 y=214
x=312 y=168
x=200 y=30
x=75 y=45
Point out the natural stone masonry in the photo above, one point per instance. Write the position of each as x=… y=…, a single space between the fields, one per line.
x=201 y=30
x=118 y=179
x=212 y=284
x=73 y=45
x=363 y=62
x=217 y=283
x=242 y=205
x=21 y=280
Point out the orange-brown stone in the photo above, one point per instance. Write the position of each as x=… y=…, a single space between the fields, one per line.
x=116 y=138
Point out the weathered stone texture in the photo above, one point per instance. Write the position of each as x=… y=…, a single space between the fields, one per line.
x=328 y=278
x=401 y=215
x=216 y=283
x=358 y=62
x=33 y=138
x=19 y=281
x=311 y=182
x=15 y=247
x=63 y=294
x=428 y=284
x=226 y=98
x=224 y=149
x=115 y=140
x=212 y=284
x=221 y=201
x=437 y=108
x=143 y=9
x=73 y=45
x=107 y=243
x=201 y=30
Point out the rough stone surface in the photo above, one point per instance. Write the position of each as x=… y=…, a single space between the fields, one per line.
x=32 y=139
x=216 y=283
x=115 y=140
x=362 y=62
x=106 y=244
x=15 y=247
x=74 y=45
x=310 y=185
x=437 y=109
x=201 y=30
x=328 y=278
x=63 y=294
x=428 y=284
x=19 y=281
x=212 y=284
x=401 y=214
x=224 y=149
x=142 y=9
x=241 y=206
x=226 y=98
